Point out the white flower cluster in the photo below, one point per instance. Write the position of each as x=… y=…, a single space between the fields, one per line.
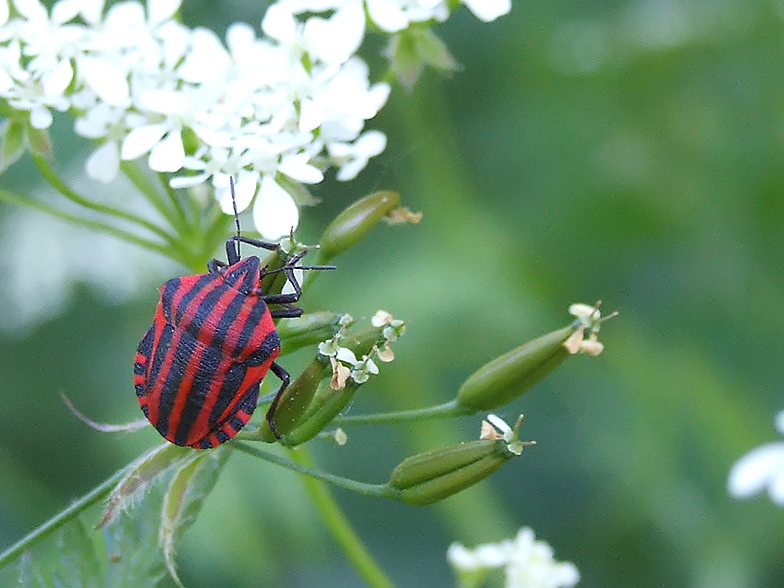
x=271 y=111
x=360 y=370
x=761 y=468
x=527 y=563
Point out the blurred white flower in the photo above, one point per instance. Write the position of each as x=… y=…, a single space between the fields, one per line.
x=760 y=469
x=527 y=563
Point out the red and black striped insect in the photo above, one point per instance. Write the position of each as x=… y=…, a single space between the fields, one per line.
x=199 y=367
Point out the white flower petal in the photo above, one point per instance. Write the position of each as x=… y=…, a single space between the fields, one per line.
x=345 y=354
x=40 y=117
x=4 y=12
x=165 y=101
x=336 y=39
x=297 y=168
x=160 y=10
x=387 y=14
x=279 y=23
x=169 y=154
x=31 y=9
x=59 y=79
x=244 y=191
x=501 y=425
x=756 y=469
x=274 y=213
x=780 y=422
x=188 y=181
x=104 y=163
x=105 y=79
x=140 y=140
x=311 y=115
x=488 y=10
x=65 y=10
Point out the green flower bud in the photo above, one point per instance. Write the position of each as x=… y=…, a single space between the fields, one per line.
x=326 y=405
x=308 y=329
x=295 y=400
x=354 y=223
x=505 y=378
x=433 y=476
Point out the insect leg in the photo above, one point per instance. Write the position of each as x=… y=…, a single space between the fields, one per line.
x=285 y=378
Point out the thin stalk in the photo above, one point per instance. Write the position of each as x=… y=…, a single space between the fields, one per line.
x=22 y=200
x=142 y=182
x=70 y=513
x=174 y=200
x=441 y=411
x=57 y=183
x=378 y=490
x=341 y=529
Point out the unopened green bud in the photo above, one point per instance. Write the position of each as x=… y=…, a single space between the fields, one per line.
x=433 y=476
x=326 y=405
x=295 y=400
x=308 y=329
x=355 y=222
x=505 y=378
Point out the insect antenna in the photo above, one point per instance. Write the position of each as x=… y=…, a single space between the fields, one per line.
x=236 y=216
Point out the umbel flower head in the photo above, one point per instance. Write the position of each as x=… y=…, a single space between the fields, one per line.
x=273 y=110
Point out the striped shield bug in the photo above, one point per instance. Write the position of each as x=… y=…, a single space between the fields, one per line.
x=199 y=367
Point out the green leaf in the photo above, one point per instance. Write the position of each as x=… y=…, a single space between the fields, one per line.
x=144 y=470
x=188 y=488
x=13 y=145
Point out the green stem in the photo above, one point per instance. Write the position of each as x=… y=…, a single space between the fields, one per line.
x=57 y=183
x=174 y=200
x=49 y=527
x=341 y=529
x=440 y=411
x=21 y=200
x=140 y=179
x=378 y=490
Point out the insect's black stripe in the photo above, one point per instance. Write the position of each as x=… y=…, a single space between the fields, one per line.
x=204 y=378
x=234 y=377
x=228 y=319
x=204 y=381
x=167 y=297
x=140 y=390
x=249 y=328
x=154 y=369
x=186 y=346
x=191 y=294
x=145 y=346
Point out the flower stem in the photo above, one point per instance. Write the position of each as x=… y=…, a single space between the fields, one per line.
x=57 y=183
x=341 y=529
x=140 y=179
x=378 y=490
x=440 y=411
x=23 y=200
x=70 y=513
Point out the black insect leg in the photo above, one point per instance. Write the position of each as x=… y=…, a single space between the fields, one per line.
x=288 y=269
x=285 y=378
x=233 y=249
x=289 y=311
x=215 y=265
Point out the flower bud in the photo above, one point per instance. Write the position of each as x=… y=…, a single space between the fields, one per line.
x=433 y=476
x=354 y=223
x=326 y=405
x=295 y=400
x=308 y=329
x=505 y=378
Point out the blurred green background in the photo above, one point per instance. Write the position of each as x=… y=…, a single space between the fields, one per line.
x=629 y=151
